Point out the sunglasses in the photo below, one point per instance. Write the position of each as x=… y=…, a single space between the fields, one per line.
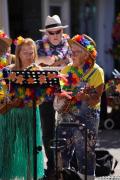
x=55 y=32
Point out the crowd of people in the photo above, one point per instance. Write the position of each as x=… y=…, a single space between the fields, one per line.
x=82 y=84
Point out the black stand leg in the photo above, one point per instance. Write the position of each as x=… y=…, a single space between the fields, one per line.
x=34 y=140
x=85 y=153
x=58 y=145
x=56 y=155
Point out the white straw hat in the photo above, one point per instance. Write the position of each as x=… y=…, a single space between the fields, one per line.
x=53 y=22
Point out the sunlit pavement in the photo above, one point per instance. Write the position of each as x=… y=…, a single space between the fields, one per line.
x=109 y=178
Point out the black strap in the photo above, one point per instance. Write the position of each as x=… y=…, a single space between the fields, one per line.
x=94 y=70
x=52 y=25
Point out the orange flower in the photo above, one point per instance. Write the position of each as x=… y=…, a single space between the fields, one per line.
x=77 y=38
x=94 y=53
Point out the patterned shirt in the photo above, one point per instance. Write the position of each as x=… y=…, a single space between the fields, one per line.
x=62 y=50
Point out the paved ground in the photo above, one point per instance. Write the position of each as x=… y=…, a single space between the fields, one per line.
x=110 y=140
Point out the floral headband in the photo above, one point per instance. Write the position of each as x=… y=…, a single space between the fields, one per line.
x=3 y=34
x=19 y=40
x=86 y=42
x=4 y=37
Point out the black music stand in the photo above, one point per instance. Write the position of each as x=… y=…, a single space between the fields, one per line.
x=43 y=79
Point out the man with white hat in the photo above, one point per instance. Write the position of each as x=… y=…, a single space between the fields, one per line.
x=53 y=50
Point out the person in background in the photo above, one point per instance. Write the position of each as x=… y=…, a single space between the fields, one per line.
x=5 y=43
x=5 y=48
x=16 y=123
x=53 y=50
x=81 y=95
x=10 y=56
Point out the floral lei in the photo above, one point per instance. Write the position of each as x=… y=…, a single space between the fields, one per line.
x=3 y=61
x=75 y=75
x=4 y=88
x=64 y=48
x=73 y=81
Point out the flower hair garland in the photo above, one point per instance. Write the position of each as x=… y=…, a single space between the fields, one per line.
x=19 y=40
x=3 y=34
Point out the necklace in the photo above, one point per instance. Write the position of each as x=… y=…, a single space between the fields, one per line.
x=75 y=74
x=75 y=82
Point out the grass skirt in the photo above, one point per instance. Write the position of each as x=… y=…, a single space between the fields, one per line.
x=16 y=145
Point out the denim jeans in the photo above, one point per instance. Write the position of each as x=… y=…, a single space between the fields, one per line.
x=75 y=137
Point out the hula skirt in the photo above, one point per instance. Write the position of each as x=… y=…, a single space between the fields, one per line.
x=16 y=145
